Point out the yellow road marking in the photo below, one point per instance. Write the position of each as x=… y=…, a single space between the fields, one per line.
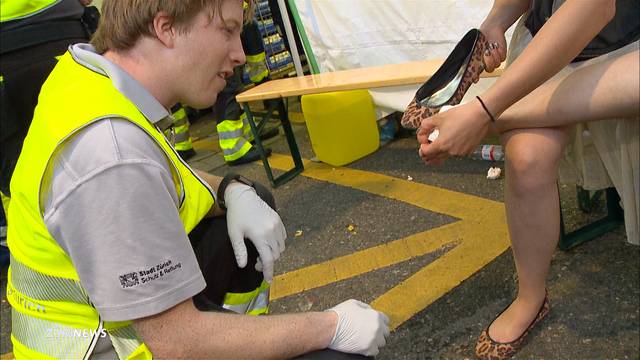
x=452 y=203
x=480 y=236
x=361 y=262
x=479 y=245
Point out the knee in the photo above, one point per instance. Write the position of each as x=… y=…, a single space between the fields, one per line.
x=531 y=166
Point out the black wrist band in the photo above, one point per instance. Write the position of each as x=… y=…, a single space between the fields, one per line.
x=486 y=110
x=225 y=182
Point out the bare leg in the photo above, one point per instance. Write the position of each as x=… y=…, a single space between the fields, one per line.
x=533 y=133
x=600 y=91
x=533 y=216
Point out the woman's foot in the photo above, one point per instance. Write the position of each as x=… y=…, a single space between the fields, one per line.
x=510 y=325
x=506 y=346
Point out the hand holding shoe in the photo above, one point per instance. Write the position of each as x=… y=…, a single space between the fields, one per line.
x=360 y=330
x=248 y=216
x=496 y=52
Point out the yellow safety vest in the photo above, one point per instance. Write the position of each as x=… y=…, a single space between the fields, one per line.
x=19 y=9
x=52 y=315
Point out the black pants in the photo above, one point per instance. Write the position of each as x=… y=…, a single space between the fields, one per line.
x=214 y=252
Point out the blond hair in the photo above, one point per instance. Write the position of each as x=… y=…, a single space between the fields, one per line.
x=123 y=22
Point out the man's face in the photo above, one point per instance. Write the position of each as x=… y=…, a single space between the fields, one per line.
x=208 y=52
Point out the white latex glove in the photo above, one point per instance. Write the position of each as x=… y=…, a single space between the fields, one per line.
x=248 y=216
x=361 y=329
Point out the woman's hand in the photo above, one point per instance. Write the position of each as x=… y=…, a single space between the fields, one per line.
x=461 y=129
x=497 y=51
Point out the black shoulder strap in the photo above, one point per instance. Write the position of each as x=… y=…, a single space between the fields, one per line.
x=31 y=35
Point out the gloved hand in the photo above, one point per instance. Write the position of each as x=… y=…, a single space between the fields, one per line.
x=248 y=216
x=361 y=329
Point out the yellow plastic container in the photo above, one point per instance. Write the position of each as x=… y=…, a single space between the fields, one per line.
x=342 y=125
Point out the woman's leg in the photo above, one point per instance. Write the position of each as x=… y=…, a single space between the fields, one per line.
x=606 y=90
x=533 y=216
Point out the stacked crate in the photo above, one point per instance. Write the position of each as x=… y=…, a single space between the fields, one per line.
x=278 y=58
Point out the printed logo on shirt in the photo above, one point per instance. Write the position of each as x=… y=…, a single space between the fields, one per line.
x=129 y=280
x=147 y=275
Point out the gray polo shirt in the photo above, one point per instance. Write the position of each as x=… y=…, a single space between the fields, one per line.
x=111 y=204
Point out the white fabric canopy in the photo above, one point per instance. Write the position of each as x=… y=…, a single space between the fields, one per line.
x=347 y=34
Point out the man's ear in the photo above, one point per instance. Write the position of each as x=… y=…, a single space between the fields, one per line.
x=163 y=27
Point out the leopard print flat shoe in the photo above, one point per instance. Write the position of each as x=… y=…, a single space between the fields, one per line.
x=489 y=349
x=452 y=80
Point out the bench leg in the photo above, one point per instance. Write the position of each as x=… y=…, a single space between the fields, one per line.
x=599 y=227
x=293 y=146
x=586 y=201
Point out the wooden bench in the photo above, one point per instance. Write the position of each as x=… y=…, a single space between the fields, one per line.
x=408 y=73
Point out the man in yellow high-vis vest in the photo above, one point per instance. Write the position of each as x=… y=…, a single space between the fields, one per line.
x=119 y=248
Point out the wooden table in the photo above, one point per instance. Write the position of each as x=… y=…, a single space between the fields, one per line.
x=409 y=73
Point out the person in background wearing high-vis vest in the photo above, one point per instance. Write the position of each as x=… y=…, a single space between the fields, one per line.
x=234 y=132
x=32 y=34
x=181 y=134
x=119 y=248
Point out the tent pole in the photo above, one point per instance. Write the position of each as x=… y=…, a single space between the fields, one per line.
x=290 y=37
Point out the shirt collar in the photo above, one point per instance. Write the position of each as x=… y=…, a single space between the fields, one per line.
x=149 y=106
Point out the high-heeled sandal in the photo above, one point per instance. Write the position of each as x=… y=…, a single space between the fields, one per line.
x=452 y=80
x=489 y=349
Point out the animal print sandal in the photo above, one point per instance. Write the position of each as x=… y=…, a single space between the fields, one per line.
x=489 y=349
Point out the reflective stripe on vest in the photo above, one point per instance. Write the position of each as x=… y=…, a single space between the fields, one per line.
x=180 y=122
x=38 y=295
x=20 y=9
x=231 y=138
x=255 y=302
x=257 y=67
x=41 y=339
x=43 y=285
x=32 y=336
x=182 y=139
